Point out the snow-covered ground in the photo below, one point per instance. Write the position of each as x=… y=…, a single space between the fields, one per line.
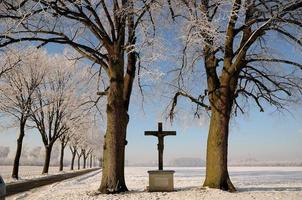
x=28 y=172
x=262 y=183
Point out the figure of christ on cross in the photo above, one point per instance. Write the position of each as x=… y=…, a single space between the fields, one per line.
x=160 y=134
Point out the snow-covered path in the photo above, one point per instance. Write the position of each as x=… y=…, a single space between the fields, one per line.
x=252 y=183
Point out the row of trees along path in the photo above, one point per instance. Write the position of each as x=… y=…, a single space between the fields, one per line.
x=46 y=92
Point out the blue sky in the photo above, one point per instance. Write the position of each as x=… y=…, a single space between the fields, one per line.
x=258 y=136
x=268 y=136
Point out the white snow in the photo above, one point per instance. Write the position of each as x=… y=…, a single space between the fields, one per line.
x=263 y=183
x=28 y=172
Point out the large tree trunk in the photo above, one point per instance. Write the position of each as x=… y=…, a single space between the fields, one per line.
x=217 y=175
x=15 y=173
x=113 y=180
x=62 y=156
x=217 y=149
x=48 y=149
x=72 y=160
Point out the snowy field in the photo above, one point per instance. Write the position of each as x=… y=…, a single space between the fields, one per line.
x=252 y=183
x=28 y=172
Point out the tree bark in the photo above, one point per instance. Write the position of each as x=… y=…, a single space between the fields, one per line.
x=90 y=164
x=113 y=180
x=84 y=162
x=15 y=173
x=62 y=156
x=216 y=166
x=217 y=175
x=79 y=162
x=48 y=149
x=100 y=161
x=72 y=160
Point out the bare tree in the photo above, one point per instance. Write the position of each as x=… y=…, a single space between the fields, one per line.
x=79 y=155
x=86 y=152
x=17 y=88
x=64 y=139
x=78 y=131
x=74 y=125
x=90 y=159
x=90 y=139
x=73 y=149
x=10 y=60
x=55 y=102
x=89 y=144
x=94 y=140
x=103 y=32
x=76 y=135
x=233 y=39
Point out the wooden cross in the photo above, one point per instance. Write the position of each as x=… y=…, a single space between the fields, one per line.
x=160 y=134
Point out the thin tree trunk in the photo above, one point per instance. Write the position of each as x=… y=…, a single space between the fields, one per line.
x=15 y=173
x=48 y=149
x=84 y=162
x=217 y=175
x=79 y=162
x=62 y=157
x=113 y=180
x=72 y=160
x=100 y=161
x=90 y=164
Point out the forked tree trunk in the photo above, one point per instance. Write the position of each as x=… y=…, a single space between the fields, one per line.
x=113 y=180
x=217 y=175
x=62 y=157
x=15 y=173
x=48 y=149
x=72 y=160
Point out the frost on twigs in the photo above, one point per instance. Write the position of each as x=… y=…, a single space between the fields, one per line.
x=238 y=38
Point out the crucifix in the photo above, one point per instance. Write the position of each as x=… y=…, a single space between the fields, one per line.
x=160 y=134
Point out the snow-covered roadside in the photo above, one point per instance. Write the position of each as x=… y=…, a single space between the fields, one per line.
x=253 y=183
x=29 y=172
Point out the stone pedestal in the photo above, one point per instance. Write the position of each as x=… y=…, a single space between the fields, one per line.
x=161 y=181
